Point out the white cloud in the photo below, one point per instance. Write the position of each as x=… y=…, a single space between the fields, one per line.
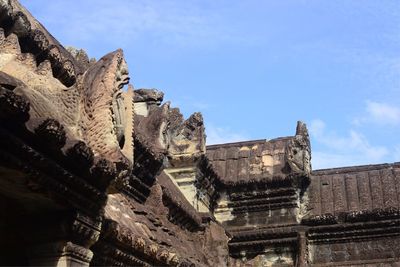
x=380 y=113
x=383 y=113
x=221 y=135
x=351 y=149
x=317 y=127
x=125 y=22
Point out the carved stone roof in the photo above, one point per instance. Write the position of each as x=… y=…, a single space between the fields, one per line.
x=254 y=160
x=146 y=230
x=358 y=189
x=263 y=160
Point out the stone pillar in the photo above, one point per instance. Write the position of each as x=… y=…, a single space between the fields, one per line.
x=302 y=254
x=60 y=254
x=64 y=241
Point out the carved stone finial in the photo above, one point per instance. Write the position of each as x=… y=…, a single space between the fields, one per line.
x=81 y=155
x=152 y=250
x=10 y=44
x=81 y=56
x=298 y=151
x=13 y=106
x=149 y=95
x=173 y=259
x=52 y=133
x=163 y=256
x=302 y=130
x=139 y=244
x=103 y=173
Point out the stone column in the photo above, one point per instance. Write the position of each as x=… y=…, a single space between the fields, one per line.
x=302 y=254
x=60 y=254
x=64 y=241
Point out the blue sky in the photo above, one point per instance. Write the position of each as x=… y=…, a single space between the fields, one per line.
x=253 y=68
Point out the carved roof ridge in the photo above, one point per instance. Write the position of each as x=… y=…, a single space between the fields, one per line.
x=357 y=168
x=40 y=42
x=239 y=143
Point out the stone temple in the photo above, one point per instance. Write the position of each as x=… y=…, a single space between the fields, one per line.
x=93 y=175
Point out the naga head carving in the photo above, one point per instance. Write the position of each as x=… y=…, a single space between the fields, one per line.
x=150 y=96
x=87 y=100
x=187 y=138
x=298 y=151
x=105 y=119
x=164 y=131
x=151 y=127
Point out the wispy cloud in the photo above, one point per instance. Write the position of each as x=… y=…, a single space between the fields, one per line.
x=220 y=135
x=335 y=150
x=124 y=22
x=379 y=113
x=383 y=112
